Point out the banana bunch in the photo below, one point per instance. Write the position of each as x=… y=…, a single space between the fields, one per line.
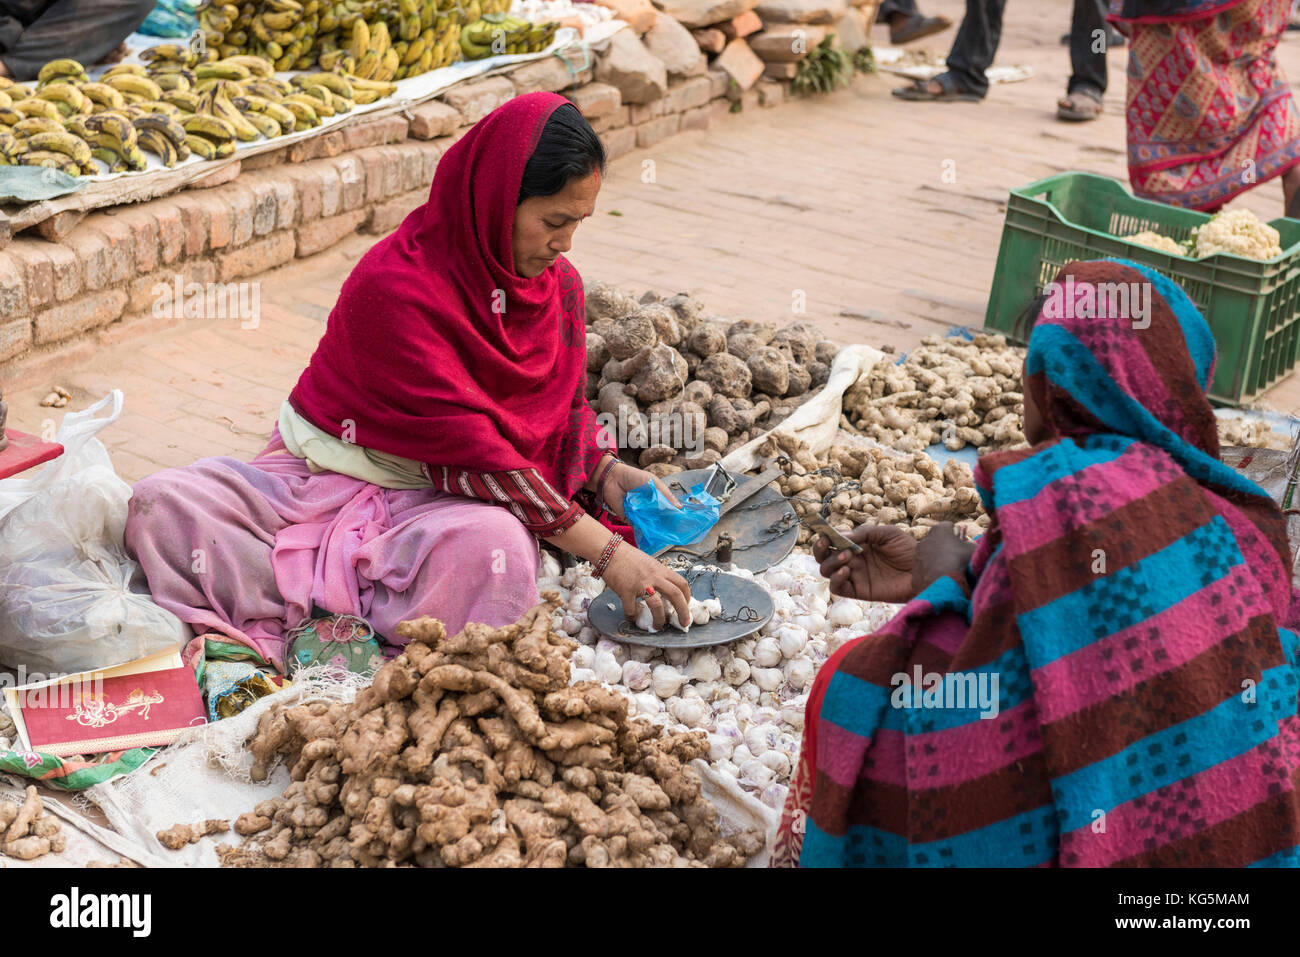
x=379 y=40
x=497 y=33
x=61 y=71
x=112 y=138
x=163 y=135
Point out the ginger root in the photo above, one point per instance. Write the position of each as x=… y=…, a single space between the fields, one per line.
x=473 y=750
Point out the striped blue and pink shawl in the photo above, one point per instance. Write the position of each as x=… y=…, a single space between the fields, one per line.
x=1129 y=598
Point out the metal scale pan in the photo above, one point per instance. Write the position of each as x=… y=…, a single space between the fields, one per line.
x=739 y=596
x=756 y=546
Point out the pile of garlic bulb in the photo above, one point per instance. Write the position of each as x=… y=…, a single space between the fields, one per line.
x=748 y=695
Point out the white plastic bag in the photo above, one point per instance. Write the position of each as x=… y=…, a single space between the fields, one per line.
x=70 y=598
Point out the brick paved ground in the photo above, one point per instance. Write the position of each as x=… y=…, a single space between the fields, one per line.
x=844 y=198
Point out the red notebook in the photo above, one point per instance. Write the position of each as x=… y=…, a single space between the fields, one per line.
x=24 y=452
x=92 y=713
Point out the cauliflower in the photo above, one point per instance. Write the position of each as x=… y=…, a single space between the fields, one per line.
x=1238 y=232
x=1154 y=240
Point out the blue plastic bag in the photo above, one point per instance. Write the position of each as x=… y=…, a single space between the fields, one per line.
x=657 y=523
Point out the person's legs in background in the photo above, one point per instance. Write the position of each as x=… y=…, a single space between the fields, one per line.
x=1089 y=40
x=975 y=46
x=84 y=30
x=907 y=23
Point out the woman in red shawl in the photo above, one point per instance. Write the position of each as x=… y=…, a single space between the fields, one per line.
x=440 y=429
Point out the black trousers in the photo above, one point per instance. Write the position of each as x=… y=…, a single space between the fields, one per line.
x=981 y=31
x=33 y=32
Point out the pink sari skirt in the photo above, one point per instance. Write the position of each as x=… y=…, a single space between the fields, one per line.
x=245 y=549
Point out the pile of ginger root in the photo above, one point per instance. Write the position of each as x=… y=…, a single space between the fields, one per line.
x=951 y=390
x=473 y=750
x=25 y=832
x=851 y=485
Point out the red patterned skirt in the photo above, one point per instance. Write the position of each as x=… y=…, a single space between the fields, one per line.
x=1209 y=111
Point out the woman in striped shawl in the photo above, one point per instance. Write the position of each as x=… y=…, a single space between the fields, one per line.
x=1110 y=679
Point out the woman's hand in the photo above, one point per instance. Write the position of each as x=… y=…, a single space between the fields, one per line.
x=882 y=572
x=623 y=479
x=631 y=572
x=942 y=552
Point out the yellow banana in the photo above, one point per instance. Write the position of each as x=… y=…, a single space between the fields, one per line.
x=255 y=65
x=131 y=85
x=61 y=142
x=245 y=130
x=360 y=41
x=222 y=70
x=330 y=81
x=160 y=145
x=57 y=69
x=172 y=81
x=36 y=106
x=36 y=124
x=184 y=100
x=103 y=96
x=215 y=128
x=50 y=159
x=304 y=114
x=67 y=98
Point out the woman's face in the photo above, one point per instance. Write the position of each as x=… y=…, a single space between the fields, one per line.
x=544 y=225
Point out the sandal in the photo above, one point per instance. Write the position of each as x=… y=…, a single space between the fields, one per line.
x=1078 y=106
x=920 y=90
x=916 y=27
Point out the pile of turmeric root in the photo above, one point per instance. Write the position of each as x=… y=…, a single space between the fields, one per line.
x=28 y=833
x=851 y=485
x=473 y=750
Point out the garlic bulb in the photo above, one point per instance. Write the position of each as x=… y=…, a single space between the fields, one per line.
x=741 y=754
x=777 y=761
x=774 y=795
x=607 y=669
x=792 y=640
x=812 y=624
x=677 y=656
x=720 y=747
x=845 y=612
x=648 y=703
x=758 y=774
x=642 y=653
x=767 y=652
x=583 y=656
x=582 y=674
x=767 y=679
x=799 y=673
x=688 y=711
x=756 y=739
x=548 y=567
x=793 y=715
x=665 y=680
x=744 y=712
x=736 y=672
x=636 y=675
x=815 y=604
x=745 y=649
x=703 y=666
x=750 y=691
x=779 y=580
x=644 y=618
x=571 y=624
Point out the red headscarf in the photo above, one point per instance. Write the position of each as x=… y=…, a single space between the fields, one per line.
x=438 y=351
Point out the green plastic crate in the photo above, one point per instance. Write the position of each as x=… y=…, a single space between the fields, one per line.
x=1253 y=307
